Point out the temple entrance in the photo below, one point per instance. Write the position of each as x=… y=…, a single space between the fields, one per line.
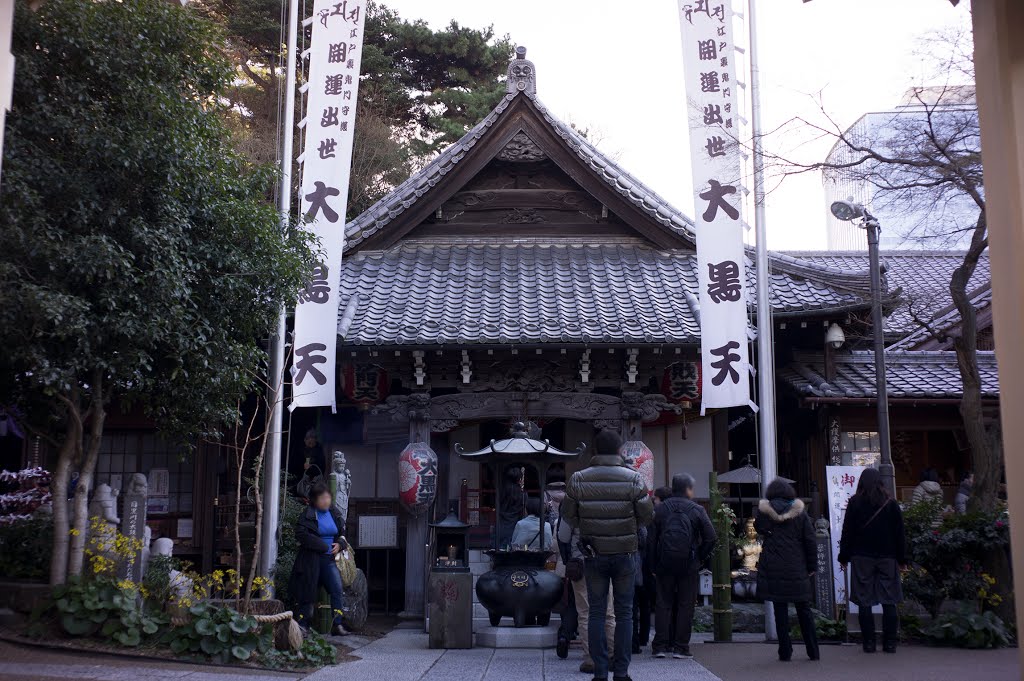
x=479 y=482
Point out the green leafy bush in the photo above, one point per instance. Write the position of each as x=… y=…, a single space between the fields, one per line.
x=968 y=629
x=221 y=634
x=101 y=606
x=25 y=547
x=156 y=583
x=947 y=554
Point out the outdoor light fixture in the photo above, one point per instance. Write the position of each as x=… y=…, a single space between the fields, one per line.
x=847 y=210
x=835 y=336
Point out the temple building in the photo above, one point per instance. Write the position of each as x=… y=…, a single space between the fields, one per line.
x=524 y=276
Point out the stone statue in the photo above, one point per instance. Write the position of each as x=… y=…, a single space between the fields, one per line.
x=137 y=485
x=343 y=477
x=821 y=527
x=103 y=520
x=104 y=505
x=181 y=585
x=750 y=549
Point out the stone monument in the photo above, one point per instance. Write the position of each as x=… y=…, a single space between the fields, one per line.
x=824 y=594
x=133 y=524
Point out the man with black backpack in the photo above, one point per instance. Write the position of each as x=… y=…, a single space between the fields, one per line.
x=683 y=538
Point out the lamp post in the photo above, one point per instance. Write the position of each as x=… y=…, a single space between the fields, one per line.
x=848 y=211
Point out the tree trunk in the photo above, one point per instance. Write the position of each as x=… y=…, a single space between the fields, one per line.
x=59 y=489
x=97 y=416
x=258 y=468
x=985 y=453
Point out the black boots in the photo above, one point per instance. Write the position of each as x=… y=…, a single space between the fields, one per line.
x=890 y=629
x=867 y=629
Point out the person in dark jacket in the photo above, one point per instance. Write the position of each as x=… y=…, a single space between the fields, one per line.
x=318 y=531
x=607 y=503
x=683 y=538
x=787 y=561
x=873 y=547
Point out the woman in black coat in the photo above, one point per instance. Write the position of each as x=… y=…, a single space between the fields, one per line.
x=318 y=531
x=874 y=545
x=787 y=561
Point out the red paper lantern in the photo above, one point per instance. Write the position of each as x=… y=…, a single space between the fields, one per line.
x=640 y=458
x=364 y=383
x=681 y=382
x=417 y=477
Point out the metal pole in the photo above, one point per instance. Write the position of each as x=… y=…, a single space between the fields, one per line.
x=765 y=342
x=275 y=378
x=886 y=468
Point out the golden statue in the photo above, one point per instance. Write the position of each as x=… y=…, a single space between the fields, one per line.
x=750 y=549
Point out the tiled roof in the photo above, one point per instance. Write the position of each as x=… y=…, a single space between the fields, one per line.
x=405 y=195
x=918 y=374
x=944 y=320
x=923 y=277
x=492 y=293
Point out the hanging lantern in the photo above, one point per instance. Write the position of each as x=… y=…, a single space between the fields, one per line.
x=417 y=477
x=364 y=383
x=681 y=382
x=640 y=458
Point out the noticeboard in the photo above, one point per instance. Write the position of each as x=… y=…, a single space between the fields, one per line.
x=378 y=531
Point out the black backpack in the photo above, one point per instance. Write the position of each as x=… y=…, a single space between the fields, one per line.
x=677 y=550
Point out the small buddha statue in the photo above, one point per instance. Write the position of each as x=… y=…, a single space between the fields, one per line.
x=750 y=549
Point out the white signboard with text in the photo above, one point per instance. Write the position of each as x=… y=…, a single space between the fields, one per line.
x=842 y=483
x=712 y=115
x=335 y=51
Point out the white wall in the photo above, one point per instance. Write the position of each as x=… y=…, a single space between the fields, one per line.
x=673 y=454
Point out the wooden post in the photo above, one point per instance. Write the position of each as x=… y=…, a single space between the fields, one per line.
x=999 y=73
x=721 y=599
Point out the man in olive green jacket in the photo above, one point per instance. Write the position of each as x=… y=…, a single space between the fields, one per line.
x=608 y=502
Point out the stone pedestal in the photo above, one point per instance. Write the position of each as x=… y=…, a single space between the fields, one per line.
x=507 y=636
x=450 y=609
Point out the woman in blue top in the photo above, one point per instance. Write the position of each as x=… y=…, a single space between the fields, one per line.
x=318 y=532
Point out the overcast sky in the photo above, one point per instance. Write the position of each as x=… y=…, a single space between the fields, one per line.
x=617 y=67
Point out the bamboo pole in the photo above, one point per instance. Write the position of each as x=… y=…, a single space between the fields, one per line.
x=721 y=578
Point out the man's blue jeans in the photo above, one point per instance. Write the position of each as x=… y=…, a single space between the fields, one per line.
x=617 y=570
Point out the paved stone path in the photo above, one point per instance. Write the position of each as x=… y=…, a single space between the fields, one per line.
x=403 y=655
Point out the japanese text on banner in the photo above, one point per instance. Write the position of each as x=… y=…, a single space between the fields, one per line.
x=335 y=51
x=711 y=95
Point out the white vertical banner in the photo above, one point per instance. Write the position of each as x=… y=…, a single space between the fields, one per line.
x=712 y=114
x=335 y=52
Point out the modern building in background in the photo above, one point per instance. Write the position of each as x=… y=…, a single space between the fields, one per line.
x=925 y=221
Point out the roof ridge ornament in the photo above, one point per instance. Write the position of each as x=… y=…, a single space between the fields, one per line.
x=522 y=74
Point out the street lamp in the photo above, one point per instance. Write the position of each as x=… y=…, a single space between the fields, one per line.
x=848 y=211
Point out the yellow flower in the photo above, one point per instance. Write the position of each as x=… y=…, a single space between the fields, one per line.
x=74 y=532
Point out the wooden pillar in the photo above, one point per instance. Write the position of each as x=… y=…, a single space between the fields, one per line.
x=999 y=71
x=416 y=532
